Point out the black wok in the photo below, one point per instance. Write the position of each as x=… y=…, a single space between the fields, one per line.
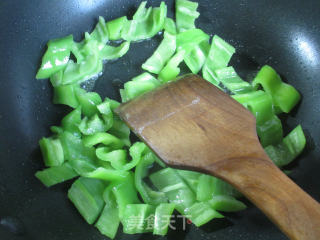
x=282 y=33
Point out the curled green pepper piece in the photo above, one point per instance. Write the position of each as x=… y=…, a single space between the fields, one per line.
x=171 y=70
x=201 y=212
x=145 y=23
x=88 y=102
x=86 y=195
x=106 y=174
x=163 y=53
x=54 y=175
x=138 y=218
x=120 y=130
x=189 y=39
x=226 y=203
x=197 y=56
x=83 y=166
x=286 y=151
x=104 y=138
x=125 y=193
x=139 y=85
x=106 y=113
x=283 y=95
x=170 y=26
x=108 y=223
x=162 y=218
x=148 y=195
x=109 y=52
x=186 y=14
x=269 y=127
x=92 y=125
x=66 y=95
x=176 y=190
x=74 y=148
x=230 y=79
x=71 y=121
x=89 y=66
x=115 y=26
x=100 y=33
x=56 y=57
x=118 y=158
x=52 y=151
x=219 y=56
x=191 y=178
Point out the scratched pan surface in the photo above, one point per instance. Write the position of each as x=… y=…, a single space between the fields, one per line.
x=282 y=33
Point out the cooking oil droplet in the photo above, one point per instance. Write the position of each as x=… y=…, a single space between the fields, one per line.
x=13 y=225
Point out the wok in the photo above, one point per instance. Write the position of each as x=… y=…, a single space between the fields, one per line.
x=282 y=33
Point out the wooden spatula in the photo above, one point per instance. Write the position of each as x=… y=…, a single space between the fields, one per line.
x=191 y=124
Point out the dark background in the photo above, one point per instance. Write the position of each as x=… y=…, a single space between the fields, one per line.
x=283 y=33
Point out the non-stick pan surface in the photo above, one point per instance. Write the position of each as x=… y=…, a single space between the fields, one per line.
x=282 y=33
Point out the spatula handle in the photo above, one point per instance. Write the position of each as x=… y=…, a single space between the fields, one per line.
x=285 y=203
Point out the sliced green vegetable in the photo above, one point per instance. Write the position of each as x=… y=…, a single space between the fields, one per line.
x=163 y=53
x=71 y=121
x=53 y=175
x=66 y=94
x=105 y=110
x=80 y=72
x=201 y=213
x=115 y=26
x=118 y=158
x=110 y=52
x=220 y=187
x=123 y=95
x=125 y=193
x=186 y=14
x=139 y=85
x=145 y=24
x=76 y=51
x=104 y=138
x=171 y=70
x=269 y=127
x=120 y=130
x=56 y=57
x=230 y=79
x=191 y=178
x=189 y=39
x=56 y=129
x=147 y=194
x=92 y=125
x=88 y=102
x=219 y=56
x=89 y=66
x=74 y=148
x=83 y=166
x=100 y=33
x=177 y=191
x=138 y=218
x=170 y=26
x=162 y=218
x=205 y=188
x=107 y=174
x=52 y=151
x=109 y=221
x=286 y=151
x=283 y=95
x=197 y=56
x=86 y=195
x=226 y=203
